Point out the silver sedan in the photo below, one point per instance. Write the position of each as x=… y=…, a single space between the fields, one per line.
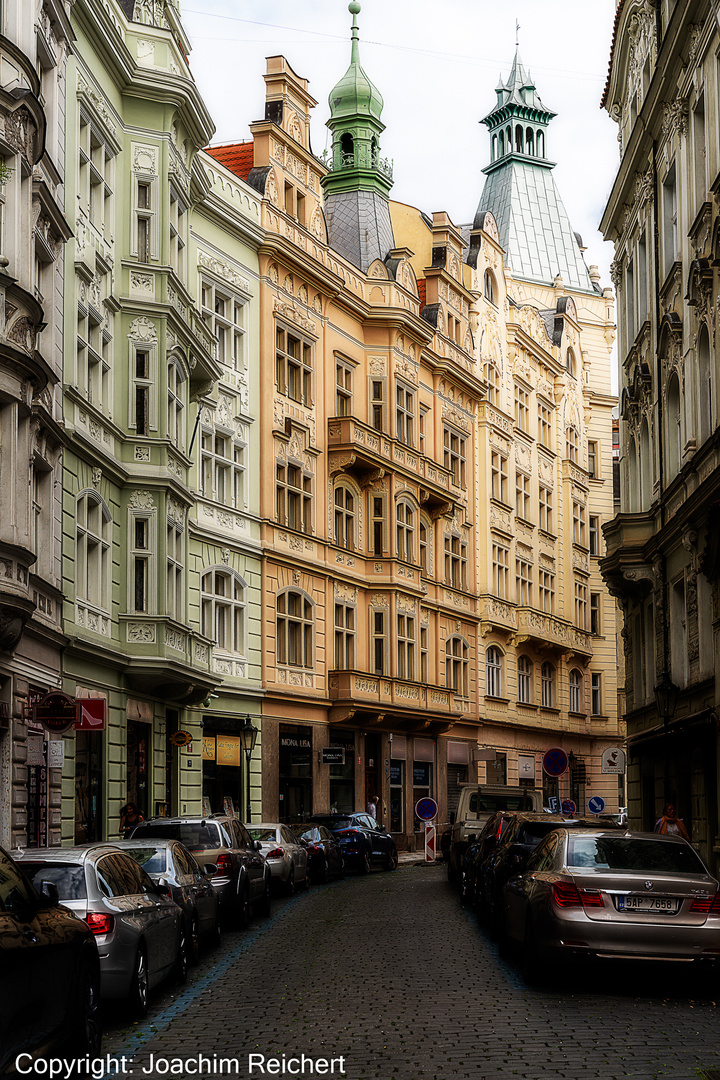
x=285 y=856
x=633 y=896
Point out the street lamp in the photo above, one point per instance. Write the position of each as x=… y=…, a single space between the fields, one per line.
x=666 y=699
x=248 y=738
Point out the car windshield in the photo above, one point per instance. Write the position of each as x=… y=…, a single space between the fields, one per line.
x=635 y=855
x=68 y=877
x=489 y=802
x=152 y=859
x=262 y=834
x=532 y=832
x=195 y=835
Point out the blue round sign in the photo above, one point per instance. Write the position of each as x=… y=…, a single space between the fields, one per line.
x=555 y=761
x=426 y=809
x=596 y=805
x=568 y=806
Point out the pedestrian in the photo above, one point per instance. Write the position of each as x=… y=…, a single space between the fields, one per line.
x=372 y=805
x=670 y=824
x=130 y=816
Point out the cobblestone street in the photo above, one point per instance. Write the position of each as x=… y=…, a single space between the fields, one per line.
x=353 y=970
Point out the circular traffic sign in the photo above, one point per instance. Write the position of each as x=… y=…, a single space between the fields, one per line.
x=426 y=809
x=596 y=805
x=555 y=761
x=568 y=806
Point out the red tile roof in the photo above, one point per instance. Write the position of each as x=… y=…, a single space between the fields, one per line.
x=618 y=13
x=237 y=157
x=422 y=291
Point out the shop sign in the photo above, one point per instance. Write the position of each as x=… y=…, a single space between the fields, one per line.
x=295 y=743
x=181 y=738
x=227 y=750
x=56 y=754
x=613 y=760
x=333 y=755
x=56 y=712
x=92 y=714
x=208 y=748
x=35 y=750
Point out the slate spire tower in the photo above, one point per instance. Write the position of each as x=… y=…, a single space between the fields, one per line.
x=520 y=190
x=358 y=184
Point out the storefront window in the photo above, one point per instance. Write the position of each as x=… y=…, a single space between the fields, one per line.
x=397 y=796
x=223 y=765
x=342 y=777
x=296 y=785
x=138 y=754
x=88 y=787
x=422 y=787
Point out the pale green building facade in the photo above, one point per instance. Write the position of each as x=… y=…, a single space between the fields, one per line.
x=161 y=563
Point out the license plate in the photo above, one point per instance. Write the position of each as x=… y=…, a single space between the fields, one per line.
x=663 y=905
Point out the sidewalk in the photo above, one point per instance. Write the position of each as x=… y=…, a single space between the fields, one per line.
x=416 y=858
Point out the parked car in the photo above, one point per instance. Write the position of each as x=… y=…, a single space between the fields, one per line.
x=362 y=841
x=325 y=857
x=49 y=973
x=477 y=803
x=286 y=858
x=508 y=848
x=242 y=876
x=591 y=893
x=172 y=867
x=138 y=929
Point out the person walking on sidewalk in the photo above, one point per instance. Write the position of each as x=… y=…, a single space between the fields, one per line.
x=670 y=824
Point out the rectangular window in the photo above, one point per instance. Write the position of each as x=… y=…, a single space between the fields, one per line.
x=522 y=408
x=454 y=455
x=405 y=415
x=405 y=647
x=223 y=312
x=174 y=597
x=378 y=641
x=593 y=460
x=594 y=534
x=178 y=216
x=222 y=469
x=546 y=509
x=545 y=425
x=378 y=526
x=294 y=498
x=140 y=562
x=578 y=523
x=343 y=388
x=423 y=654
x=594 y=613
x=523 y=583
x=699 y=154
x=580 y=604
x=455 y=563
x=571 y=444
x=397 y=796
x=293 y=366
x=500 y=570
x=422 y=428
x=142 y=392
x=377 y=404
x=596 y=693
x=522 y=496
x=344 y=637
x=669 y=220
x=546 y=591
x=498 y=476
x=143 y=221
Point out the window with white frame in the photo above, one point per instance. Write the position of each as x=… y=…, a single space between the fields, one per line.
x=454 y=455
x=522 y=407
x=596 y=693
x=594 y=613
x=96 y=174
x=94 y=356
x=493 y=672
x=345 y=511
x=424 y=534
x=93 y=550
x=294 y=625
x=223 y=601
x=545 y=505
x=578 y=523
x=422 y=428
x=343 y=387
x=572 y=444
x=178 y=231
x=378 y=404
x=405 y=415
x=143 y=401
x=175 y=577
x=575 y=684
x=378 y=641
x=594 y=534
x=523 y=582
x=544 y=425
x=293 y=366
x=223 y=468
x=224 y=313
x=293 y=497
x=522 y=496
x=423 y=654
x=177 y=395
x=593 y=460
x=580 y=603
x=457 y=666
x=500 y=570
x=377 y=518
x=492 y=378
x=344 y=637
x=144 y=218
x=498 y=476
x=405 y=646
x=142 y=556
x=547 y=686
x=546 y=591
x=405 y=531
x=525 y=676
x=455 y=562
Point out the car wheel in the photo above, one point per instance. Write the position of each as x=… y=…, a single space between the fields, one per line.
x=364 y=867
x=243 y=908
x=85 y=1037
x=266 y=903
x=193 y=938
x=181 y=960
x=290 y=887
x=530 y=961
x=392 y=860
x=138 y=998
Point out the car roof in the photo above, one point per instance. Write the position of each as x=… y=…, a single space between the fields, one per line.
x=88 y=852
x=155 y=841
x=627 y=834
x=266 y=825
x=184 y=819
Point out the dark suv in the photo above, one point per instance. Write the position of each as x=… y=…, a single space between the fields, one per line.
x=241 y=877
x=362 y=841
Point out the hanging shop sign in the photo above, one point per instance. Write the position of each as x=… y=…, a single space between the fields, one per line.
x=91 y=714
x=181 y=738
x=56 y=712
x=333 y=755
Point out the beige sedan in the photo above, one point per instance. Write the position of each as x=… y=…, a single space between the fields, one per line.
x=589 y=894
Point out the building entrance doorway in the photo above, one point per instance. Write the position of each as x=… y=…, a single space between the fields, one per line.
x=295 y=779
x=372 y=772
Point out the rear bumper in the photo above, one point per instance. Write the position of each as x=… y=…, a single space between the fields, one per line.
x=578 y=938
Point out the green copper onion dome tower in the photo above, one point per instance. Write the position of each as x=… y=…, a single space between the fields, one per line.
x=358 y=184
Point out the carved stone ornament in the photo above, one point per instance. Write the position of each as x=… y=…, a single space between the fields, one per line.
x=141 y=633
x=675 y=118
x=224 y=271
x=143 y=329
x=145 y=159
x=175 y=512
x=142 y=500
x=290 y=312
x=96 y=478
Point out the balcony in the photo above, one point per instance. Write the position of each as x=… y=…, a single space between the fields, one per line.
x=355 y=447
x=547 y=631
x=497 y=614
x=168 y=659
x=395 y=703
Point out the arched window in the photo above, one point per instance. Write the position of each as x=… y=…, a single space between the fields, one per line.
x=93 y=550
x=547 y=685
x=457 y=665
x=519 y=141
x=347 y=147
x=570 y=363
x=294 y=624
x=177 y=392
x=373 y=151
x=575 y=690
x=405 y=525
x=494 y=152
x=540 y=144
x=489 y=289
x=502 y=144
x=508 y=140
x=223 y=610
x=345 y=508
x=525 y=675
x=674 y=433
x=705 y=386
x=493 y=671
x=492 y=378
x=529 y=142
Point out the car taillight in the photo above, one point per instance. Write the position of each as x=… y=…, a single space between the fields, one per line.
x=591 y=898
x=313 y=848
x=351 y=834
x=224 y=866
x=706 y=905
x=565 y=894
x=499 y=831
x=99 y=922
x=276 y=853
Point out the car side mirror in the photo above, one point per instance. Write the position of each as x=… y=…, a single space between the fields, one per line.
x=256 y=845
x=210 y=868
x=381 y=828
x=49 y=893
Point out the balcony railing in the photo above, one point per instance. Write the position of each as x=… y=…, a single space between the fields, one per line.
x=383 y=692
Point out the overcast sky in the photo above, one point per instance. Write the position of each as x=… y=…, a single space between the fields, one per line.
x=436 y=65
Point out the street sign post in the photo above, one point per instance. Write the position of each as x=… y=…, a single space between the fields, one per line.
x=429 y=842
x=596 y=805
x=553 y=803
x=555 y=761
x=426 y=809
